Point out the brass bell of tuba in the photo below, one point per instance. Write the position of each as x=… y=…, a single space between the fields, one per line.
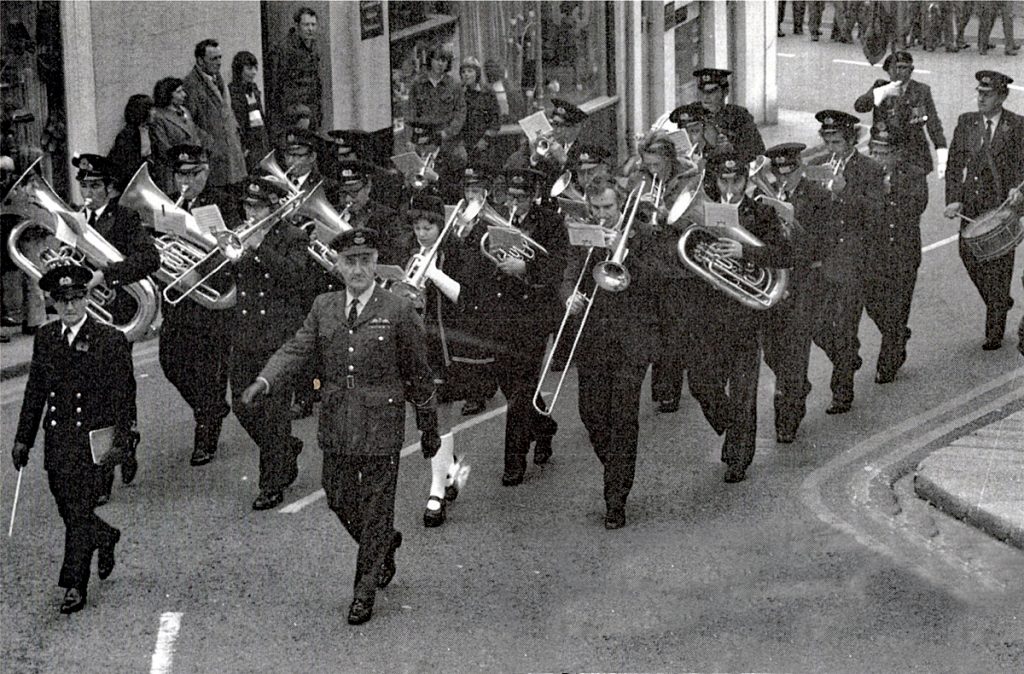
x=325 y=223
x=752 y=286
x=180 y=247
x=71 y=240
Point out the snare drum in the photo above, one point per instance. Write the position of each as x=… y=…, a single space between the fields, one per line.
x=994 y=234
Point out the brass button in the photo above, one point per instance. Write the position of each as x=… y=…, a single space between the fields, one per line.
x=351 y=368
x=350 y=349
x=78 y=423
x=263 y=312
x=53 y=423
x=245 y=311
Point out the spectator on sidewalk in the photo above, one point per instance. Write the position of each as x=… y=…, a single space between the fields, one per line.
x=171 y=124
x=247 y=103
x=209 y=100
x=133 y=146
x=482 y=117
x=987 y=13
x=294 y=69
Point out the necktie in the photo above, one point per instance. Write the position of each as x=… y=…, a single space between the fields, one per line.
x=92 y=218
x=988 y=133
x=353 y=313
x=68 y=337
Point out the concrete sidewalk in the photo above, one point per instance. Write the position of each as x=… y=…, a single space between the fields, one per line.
x=979 y=478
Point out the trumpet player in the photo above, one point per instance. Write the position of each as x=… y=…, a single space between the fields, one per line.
x=355 y=187
x=123 y=229
x=618 y=342
x=789 y=327
x=894 y=252
x=270 y=279
x=553 y=155
x=855 y=185
x=725 y=364
x=515 y=306
x=439 y=175
x=195 y=342
x=445 y=338
x=735 y=124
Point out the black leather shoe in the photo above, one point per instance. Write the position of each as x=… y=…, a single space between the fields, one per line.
x=734 y=473
x=668 y=406
x=615 y=518
x=785 y=436
x=360 y=611
x=200 y=457
x=542 y=450
x=301 y=410
x=472 y=407
x=74 y=601
x=129 y=467
x=9 y=322
x=992 y=344
x=513 y=474
x=434 y=518
x=105 y=558
x=267 y=500
x=838 y=407
x=388 y=568
x=884 y=377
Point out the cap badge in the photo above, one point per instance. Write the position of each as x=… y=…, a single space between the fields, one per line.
x=254 y=188
x=830 y=121
x=66 y=281
x=359 y=239
x=84 y=164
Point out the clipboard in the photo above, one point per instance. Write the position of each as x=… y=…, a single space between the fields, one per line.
x=101 y=444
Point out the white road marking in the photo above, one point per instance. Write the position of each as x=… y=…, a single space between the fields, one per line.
x=917 y=71
x=1014 y=86
x=163 y=654
x=939 y=244
x=785 y=56
x=295 y=507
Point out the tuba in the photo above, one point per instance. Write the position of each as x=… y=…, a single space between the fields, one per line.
x=752 y=286
x=180 y=248
x=34 y=199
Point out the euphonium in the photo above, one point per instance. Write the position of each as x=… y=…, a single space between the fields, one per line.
x=525 y=248
x=753 y=286
x=179 y=248
x=32 y=197
x=326 y=223
x=270 y=166
x=757 y=177
x=426 y=175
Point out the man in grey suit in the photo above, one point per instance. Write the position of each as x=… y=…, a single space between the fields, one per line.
x=209 y=101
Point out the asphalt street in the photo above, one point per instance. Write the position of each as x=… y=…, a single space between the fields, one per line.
x=801 y=568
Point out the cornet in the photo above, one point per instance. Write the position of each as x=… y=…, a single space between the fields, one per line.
x=426 y=175
x=838 y=166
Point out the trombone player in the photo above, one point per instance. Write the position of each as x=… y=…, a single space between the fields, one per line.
x=789 y=328
x=195 y=342
x=618 y=341
x=270 y=278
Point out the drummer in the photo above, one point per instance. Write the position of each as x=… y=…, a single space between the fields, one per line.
x=986 y=169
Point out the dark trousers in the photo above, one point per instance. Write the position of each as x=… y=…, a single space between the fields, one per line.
x=815 y=8
x=268 y=424
x=986 y=19
x=675 y=314
x=361 y=492
x=75 y=493
x=888 y=293
x=836 y=332
x=723 y=375
x=799 y=6
x=992 y=279
x=609 y=405
x=516 y=370
x=196 y=360
x=788 y=332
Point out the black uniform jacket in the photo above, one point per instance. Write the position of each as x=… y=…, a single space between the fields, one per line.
x=980 y=180
x=369 y=370
x=738 y=125
x=123 y=229
x=856 y=211
x=76 y=389
x=897 y=242
x=812 y=207
x=272 y=286
x=512 y=313
x=909 y=114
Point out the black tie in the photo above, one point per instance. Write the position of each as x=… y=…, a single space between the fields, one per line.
x=353 y=313
x=988 y=133
x=92 y=218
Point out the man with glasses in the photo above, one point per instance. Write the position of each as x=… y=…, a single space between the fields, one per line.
x=81 y=380
x=355 y=189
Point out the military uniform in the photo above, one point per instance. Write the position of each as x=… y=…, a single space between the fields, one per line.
x=789 y=327
x=270 y=284
x=76 y=388
x=372 y=366
x=982 y=170
x=733 y=121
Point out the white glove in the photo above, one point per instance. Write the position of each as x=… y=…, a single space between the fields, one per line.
x=885 y=91
x=448 y=286
x=942 y=155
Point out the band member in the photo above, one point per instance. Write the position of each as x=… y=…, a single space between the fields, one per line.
x=472 y=363
x=122 y=228
x=356 y=187
x=270 y=282
x=440 y=318
x=81 y=373
x=617 y=344
x=372 y=345
x=514 y=305
x=906 y=107
x=856 y=183
x=563 y=152
x=789 y=327
x=894 y=250
x=734 y=123
x=297 y=150
x=726 y=355
x=195 y=342
x=441 y=177
x=986 y=166
x=693 y=117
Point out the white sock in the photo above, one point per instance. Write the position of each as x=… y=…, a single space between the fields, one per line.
x=439 y=466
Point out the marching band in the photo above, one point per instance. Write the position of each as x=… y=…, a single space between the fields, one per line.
x=702 y=253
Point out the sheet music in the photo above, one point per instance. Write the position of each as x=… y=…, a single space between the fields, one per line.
x=209 y=219
x=587 y=235
x=721 y=216
x=535 y=125
x=64 y=231
x=407 y=163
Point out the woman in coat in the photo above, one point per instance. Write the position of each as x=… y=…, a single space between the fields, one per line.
x=171 y=125
x=247 y=103
x=133 y=146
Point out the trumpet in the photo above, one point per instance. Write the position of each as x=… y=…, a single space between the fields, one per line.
x=31 y=194
x=610 y=275
x=426 y=175
x=231 y=246
x=544 y=146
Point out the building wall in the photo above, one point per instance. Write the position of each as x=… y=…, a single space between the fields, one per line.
x=116 y=49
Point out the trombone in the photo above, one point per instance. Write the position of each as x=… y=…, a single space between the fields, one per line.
x=610 y=275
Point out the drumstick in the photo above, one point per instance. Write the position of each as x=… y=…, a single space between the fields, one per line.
x=14 y=507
